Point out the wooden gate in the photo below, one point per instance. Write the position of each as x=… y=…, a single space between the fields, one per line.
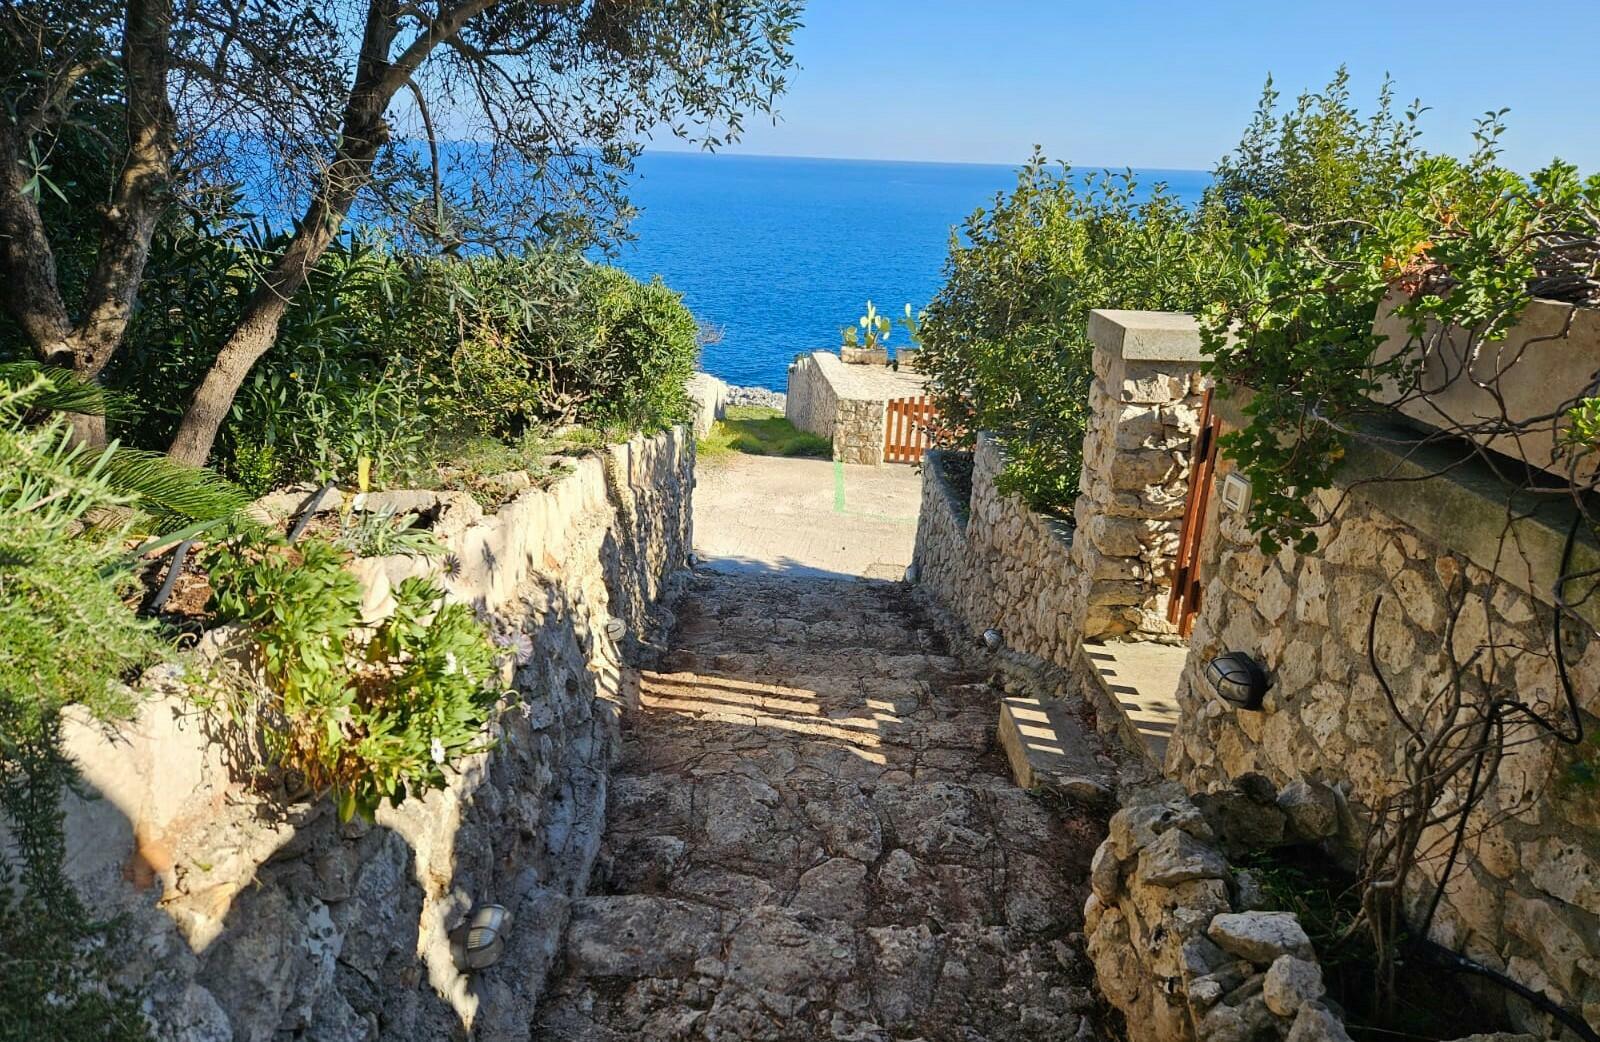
x=1184 y=602
x=908 y=429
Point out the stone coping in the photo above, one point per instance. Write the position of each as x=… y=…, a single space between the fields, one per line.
x=1446 y=490
x=933 y=468
x=1146 y=336
x=867 y=382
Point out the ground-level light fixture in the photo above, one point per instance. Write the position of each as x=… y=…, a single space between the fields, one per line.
x=615 y=628
x=481 y=940
x=991 y=639
x=911 y=573
x=1238 y=679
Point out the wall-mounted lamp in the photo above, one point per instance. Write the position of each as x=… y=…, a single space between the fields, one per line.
x=1239 y=679
x=991 y=639
x=481 y=940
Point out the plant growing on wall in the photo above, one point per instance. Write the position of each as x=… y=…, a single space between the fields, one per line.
x=366 y=714
x=1458 y=245
x=870 y=332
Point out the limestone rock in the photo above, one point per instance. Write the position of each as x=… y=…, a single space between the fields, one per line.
x=1105 y=872
x=1312 y=809
x=1131 y=829
x=1250 y=894
x=637 y=935
x=1292 y=983
x=1245 y=817
x=1315 y=1024
x=1177 y=857
x=1261 y=937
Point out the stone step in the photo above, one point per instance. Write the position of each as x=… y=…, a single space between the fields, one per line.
x=1049 y=748
x=883 y=632
x=716 y=659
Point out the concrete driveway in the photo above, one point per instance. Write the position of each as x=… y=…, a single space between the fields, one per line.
x=806 y=517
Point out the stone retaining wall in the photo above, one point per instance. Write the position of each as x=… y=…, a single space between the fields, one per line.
x=995 y=564
x=1044 y=583
x=708 y=401
x=1181 y=942
x=249 y=919
x=1525 y=900
x=846 y=402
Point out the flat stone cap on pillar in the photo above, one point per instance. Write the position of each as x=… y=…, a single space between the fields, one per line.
x=1146 y=336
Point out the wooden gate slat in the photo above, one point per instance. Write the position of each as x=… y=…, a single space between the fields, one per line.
x=907 y=429
x=1183 y=603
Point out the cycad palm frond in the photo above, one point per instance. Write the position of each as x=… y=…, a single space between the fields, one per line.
x=170 y=491
x=64 y=390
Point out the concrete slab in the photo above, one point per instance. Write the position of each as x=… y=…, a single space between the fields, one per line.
x=806 y=517
x=1142 y=677
x=1047 y=748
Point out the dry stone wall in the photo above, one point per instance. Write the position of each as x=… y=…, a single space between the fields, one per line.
x=1526 y=899
x=993 y=563
x=1048 y=584
x=1181 y=943
x=254 y=918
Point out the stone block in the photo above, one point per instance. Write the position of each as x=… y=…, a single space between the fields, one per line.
x=1046 y=747
x=1261 y=937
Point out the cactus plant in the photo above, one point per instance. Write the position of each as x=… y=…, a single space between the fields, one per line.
x=877 y=329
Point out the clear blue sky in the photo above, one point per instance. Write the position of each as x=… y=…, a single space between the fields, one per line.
x=1170 y=84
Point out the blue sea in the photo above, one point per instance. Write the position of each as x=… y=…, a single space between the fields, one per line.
x=779 y=252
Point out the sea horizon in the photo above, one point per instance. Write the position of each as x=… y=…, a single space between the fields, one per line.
x=779 y=252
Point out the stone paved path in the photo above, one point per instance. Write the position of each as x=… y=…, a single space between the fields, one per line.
x=811 y=836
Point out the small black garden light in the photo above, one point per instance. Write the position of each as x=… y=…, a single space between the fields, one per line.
x=1239 y=679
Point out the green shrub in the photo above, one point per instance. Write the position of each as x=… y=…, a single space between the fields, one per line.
x=1004 y=340
x=540 y=340
x=387 y=357
x=366 y=714
x=66 y=639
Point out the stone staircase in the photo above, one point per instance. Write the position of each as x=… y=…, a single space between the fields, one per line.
x=812 y=835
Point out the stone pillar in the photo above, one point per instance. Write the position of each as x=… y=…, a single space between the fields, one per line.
x=1144 y=411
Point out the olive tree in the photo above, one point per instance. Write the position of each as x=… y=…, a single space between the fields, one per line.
x=451 y=124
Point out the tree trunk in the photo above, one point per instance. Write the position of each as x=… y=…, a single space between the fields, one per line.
x=28 y=285
x=364 y=132
x=213 y=399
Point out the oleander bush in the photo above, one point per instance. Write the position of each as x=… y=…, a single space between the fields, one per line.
x=366 y=714
x=391 y=358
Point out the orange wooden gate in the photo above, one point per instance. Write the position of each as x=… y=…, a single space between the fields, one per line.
x=907 y=429
x=1184 y=602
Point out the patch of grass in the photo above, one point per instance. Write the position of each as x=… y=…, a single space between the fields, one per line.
x=759 y=431
x=490 y=469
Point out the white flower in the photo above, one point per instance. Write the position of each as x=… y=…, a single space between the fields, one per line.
x=449 y=663
x=438 y=751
